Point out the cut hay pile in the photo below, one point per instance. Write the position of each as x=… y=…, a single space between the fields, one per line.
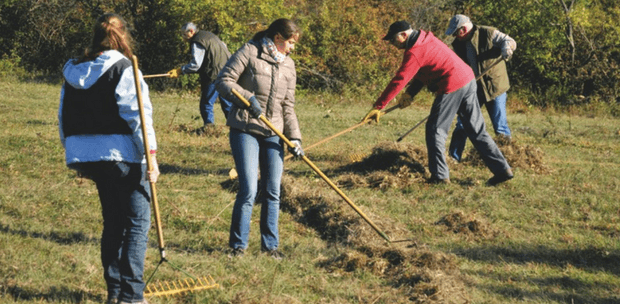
x=390 y=165
x=415 y=273
x=518 y=156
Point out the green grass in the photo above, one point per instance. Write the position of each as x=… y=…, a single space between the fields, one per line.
x=549 y=236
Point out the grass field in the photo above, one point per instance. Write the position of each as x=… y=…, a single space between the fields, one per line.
x=550 y=235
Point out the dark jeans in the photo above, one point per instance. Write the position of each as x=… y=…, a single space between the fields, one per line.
x=208 y=97
x=124 y=193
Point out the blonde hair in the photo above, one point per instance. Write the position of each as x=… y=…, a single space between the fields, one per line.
x=109 y=33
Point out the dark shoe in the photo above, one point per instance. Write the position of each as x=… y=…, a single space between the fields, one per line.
x=500 y=178
x=206 y=129
x=236 y=252
x=436 y=180
x=275 y=254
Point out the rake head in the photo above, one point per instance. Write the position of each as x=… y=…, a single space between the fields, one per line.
x=356 y=158
x=180 y=286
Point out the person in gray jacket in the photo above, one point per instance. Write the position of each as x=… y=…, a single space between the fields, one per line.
x=481 y=47
x=264 y=74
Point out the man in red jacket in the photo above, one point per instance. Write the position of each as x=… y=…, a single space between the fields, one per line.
x=429 y=61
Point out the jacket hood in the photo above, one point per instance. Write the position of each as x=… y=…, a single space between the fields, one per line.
x=84 y=75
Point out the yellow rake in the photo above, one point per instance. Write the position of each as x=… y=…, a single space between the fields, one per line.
x=182 y=286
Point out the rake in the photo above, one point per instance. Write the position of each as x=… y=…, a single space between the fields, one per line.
x=164 y=288
x=316 y=169
x=232 y=174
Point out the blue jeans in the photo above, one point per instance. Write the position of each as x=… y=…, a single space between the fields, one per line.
x=208 y=97
x=497 y=112
x=125 y=194
x=251 y=151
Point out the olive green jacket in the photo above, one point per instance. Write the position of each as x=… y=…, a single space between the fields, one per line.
x=495 y=82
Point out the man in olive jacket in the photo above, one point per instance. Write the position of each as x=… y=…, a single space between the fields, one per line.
x=208 y=55
x=481 y=47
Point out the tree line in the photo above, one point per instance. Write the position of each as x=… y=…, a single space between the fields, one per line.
x=567 y=49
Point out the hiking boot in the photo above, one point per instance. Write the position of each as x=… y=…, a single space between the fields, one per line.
x=500 y=178
x=141 y=302
x=236 y=252
x=436 y=180
x=275 y=254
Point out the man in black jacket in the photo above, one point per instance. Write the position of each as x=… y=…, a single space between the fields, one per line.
x=208 y=55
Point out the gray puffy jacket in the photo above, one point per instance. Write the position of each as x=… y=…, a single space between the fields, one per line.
x=253 y=72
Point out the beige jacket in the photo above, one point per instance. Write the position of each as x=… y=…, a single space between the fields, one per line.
x=253 y=72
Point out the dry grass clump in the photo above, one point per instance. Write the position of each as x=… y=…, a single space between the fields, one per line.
x=458 y=222
x=524 y=157
x=211 y=131
x=422 y=275
x=390 y=165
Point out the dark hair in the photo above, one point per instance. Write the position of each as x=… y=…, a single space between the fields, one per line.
x=109 y=33
x=284 y=27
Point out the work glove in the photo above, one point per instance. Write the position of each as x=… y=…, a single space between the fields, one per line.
x=296 y=149
x=506 y=53
x=254 y=108
x=405 y=100
x=373 y=114
x=153 y=174
x=175 y=73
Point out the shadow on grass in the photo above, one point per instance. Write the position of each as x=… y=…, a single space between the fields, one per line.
x=172 y=169
x=571 y=290
x=55 y=294
x=64 y=238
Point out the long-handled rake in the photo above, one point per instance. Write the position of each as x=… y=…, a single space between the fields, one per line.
x=425 y=118
x=316 y=169
x=354 y=158
x=165 y=288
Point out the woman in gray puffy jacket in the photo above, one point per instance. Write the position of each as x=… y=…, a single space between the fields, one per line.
x=263 y=73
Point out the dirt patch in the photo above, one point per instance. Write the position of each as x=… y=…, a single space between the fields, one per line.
x=468 y=225
x=415 y=272
x=517 y=155
x=212 y=131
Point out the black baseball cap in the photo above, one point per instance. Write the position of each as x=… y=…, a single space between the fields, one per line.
x=397 y=27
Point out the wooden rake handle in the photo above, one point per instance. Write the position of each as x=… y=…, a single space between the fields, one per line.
x=349 y=129
x=316 y=169
x=149 y=162
x=155 y=76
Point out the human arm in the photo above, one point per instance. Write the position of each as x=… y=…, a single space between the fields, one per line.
x=408 y=69
x=505 y=43
x=60 y=131
x=127 y=101
x=228 y=77
x=406 y=98
x=196 y=60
